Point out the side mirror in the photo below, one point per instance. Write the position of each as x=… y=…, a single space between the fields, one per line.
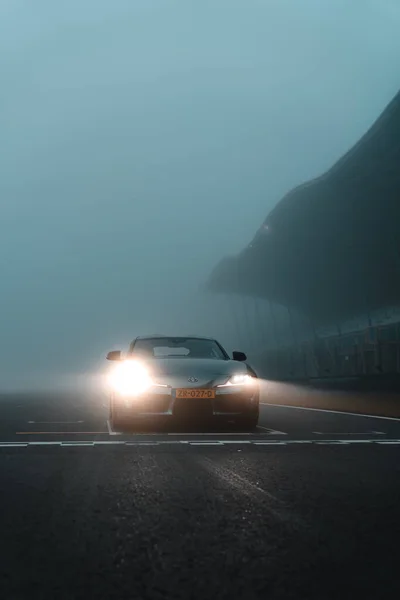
x=240 y=356
x=114 y=355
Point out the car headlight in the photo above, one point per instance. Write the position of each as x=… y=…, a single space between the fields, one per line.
x=130 y=378
x=238 y=379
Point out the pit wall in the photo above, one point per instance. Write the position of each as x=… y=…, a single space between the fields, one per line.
x=373 y=352
x=358 y=372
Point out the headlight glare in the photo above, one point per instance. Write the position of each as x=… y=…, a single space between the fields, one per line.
x=130 y=379
x=238 y=379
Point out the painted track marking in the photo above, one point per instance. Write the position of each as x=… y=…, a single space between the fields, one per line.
x=271 y=431
x=60 y=432
x=110 y=430
x=334 y=412
x=348 y=433
x=55 y=422
x=198 y=433
x=219 y=443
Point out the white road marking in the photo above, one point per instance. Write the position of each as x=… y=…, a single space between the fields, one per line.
x=271 y=431
x=110 y=429
x=220 y=443
x=328 y=443
x=46 y=443
x=334 y=412
x=11 y=445
x=349 y=441
x=216 y=443
x=205 y=433
x=195 y=434
x=178 y=434
x=55 y=422
x=77 y=443
x=392 y=442
x=347 y=433
x=271 y=443
x=144 y=443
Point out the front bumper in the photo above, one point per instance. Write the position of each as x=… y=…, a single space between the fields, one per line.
x=232 y=401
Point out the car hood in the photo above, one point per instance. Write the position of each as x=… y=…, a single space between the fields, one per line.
x=205 y=370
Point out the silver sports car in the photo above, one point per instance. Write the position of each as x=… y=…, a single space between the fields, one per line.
x=182 y=376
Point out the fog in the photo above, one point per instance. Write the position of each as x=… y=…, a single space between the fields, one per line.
x=143 y=140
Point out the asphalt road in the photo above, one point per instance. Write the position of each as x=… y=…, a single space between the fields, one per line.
x=308 y=506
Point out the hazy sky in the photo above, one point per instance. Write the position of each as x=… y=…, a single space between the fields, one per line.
x=142 y=140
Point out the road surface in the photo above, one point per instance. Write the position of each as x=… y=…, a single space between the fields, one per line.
x=308 y=506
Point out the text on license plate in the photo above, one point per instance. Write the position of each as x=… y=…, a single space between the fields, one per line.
x=191 y=393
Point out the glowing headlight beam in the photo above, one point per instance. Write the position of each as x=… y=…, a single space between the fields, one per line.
x=130 y=378
x=238 y=379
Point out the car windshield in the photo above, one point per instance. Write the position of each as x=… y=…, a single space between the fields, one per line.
x=178 y=347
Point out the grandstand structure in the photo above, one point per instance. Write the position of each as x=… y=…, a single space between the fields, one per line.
x=330 y=250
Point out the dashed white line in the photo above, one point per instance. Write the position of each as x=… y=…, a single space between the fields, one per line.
x=271 y=443
x=77 y=443
x=45 y=443
x=141 y=443
x=55 y=422
x=216 y=443
x=390 y=442
x=328 y=443
x=105 y=443
x=198 y=433
x=207 y=433
x=371 y=441
x=348 y=433
x=220 y=443
x=11 y=445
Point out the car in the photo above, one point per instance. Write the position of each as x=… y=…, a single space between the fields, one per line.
x=182 y=377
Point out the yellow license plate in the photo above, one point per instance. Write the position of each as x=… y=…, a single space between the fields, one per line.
x=195 y=393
